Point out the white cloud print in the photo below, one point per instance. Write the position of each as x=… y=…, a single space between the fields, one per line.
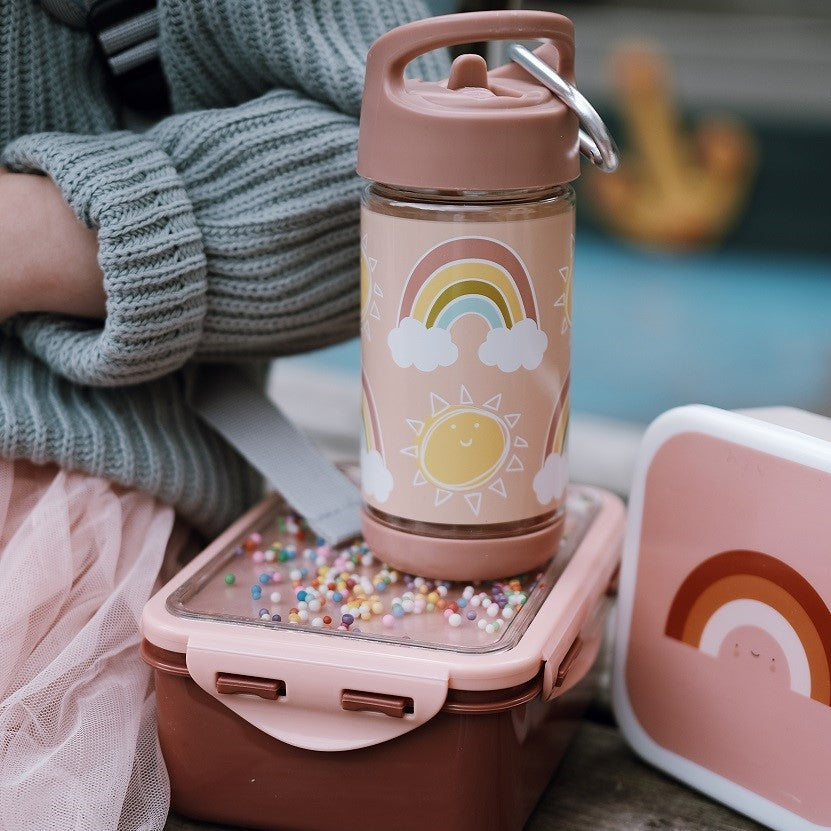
x=413 y=344
x=509 y=349
x=551 y=480
x=376 y=480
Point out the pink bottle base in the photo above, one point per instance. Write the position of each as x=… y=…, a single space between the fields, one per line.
x=461 y=559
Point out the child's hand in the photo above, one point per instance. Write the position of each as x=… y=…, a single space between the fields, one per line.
x=48 y=258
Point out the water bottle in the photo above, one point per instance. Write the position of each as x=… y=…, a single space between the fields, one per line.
x=467 y=241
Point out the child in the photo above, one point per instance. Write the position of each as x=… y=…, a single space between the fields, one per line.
x=226 y=232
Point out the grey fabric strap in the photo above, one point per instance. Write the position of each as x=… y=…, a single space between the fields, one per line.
x=128 y=33
x=128 y=44
x=239 y=410
x=134 y=57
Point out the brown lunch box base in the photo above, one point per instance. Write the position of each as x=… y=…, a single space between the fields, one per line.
x=481 y=763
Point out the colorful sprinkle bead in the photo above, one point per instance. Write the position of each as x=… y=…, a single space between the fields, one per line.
x=338 y=587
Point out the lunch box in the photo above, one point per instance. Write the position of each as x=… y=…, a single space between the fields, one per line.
x=722 y=672
x=304 y=687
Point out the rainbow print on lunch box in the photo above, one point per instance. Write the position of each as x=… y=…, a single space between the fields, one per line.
x=468 y=276
x=748 y=605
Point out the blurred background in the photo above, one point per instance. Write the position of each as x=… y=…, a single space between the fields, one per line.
x=703 y=267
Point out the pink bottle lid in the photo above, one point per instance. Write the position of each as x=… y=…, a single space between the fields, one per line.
x=476 y=130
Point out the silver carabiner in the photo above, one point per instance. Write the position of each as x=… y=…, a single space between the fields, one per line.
x=595 y=141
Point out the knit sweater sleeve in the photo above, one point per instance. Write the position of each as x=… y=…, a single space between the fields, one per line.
x=150 y=250
x=226 y=232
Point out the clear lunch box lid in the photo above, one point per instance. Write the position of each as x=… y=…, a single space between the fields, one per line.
x=275 y=575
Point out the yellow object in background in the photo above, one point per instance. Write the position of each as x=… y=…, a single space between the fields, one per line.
x=673 y=189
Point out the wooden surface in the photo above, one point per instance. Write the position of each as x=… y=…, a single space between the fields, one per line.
x=602 y=786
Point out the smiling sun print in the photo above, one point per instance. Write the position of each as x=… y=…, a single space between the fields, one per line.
x=465 y=448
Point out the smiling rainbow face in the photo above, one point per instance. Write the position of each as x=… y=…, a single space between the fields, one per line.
x=463 y=447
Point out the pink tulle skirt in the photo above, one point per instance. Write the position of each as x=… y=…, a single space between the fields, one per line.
x=78 y=559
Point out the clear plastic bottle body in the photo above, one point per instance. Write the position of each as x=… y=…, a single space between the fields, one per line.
x=468 y=206
x=466 y=316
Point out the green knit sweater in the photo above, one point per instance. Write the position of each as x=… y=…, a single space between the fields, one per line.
x=229 y=231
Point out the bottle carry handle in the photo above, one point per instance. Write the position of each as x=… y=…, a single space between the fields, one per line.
x=392 y=52
x=551 y=65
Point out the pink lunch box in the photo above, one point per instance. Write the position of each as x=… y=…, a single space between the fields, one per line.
x=282 y=706
x=722 y=670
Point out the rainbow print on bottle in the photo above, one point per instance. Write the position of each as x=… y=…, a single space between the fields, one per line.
x=468 y=276
x=376 y=478
x=551 y=479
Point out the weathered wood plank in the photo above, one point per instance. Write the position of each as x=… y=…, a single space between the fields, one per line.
x=602 y=785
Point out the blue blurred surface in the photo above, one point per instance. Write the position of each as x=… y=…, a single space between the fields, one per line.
x=442 y=6
x=652 y=331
